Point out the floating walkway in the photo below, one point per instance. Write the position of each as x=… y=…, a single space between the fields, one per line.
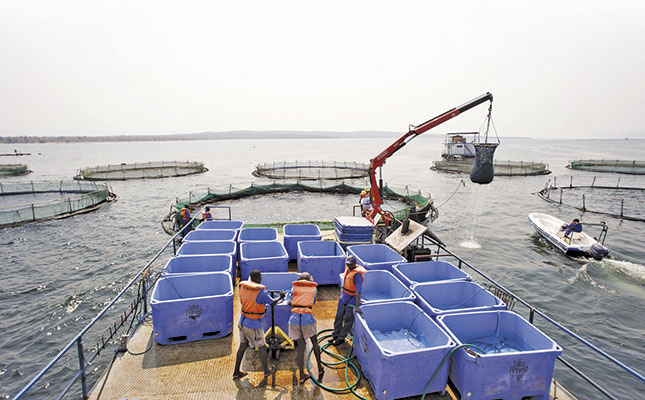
x=597 y=196
x=149 y=170
x=312 y=170
x=634 y=167
x=421 y=208
x=14 y=169
x=502 y=168
x=75 y=198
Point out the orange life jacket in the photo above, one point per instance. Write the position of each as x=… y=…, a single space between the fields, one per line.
x=206 y=215
x=349 y=286
x=304 y=294
x=249 y=292
x=185 y=213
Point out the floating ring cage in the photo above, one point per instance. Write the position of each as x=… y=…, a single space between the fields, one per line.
x=312 y=170
x=75 y=198
x=14 y=169
x=502 y=168
x=153 y=169
x=633 y=167
x=420 y=208
x=605 y=196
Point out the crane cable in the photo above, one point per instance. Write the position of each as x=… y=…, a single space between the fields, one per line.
x=461 y=182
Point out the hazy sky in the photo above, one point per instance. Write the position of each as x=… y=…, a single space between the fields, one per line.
x=556 y=68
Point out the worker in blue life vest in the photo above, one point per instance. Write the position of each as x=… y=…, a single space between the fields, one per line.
x=206 y=214
x=349 y=301
x=302 y=324
x=574 y=226
x=254 y=299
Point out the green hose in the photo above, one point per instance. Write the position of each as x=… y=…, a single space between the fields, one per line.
x=346 y=361
x=446 y=357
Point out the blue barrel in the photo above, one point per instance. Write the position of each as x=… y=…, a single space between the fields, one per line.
x=186 y=308
x=515 y=361
x=198 y=264
x=382 y=286
x=442 y=298
x=279 y=281
x=210 y=234
x=375 y=256
x=428 y=271
x=323 y=260
x=209 y=247
x=399 y=348
x=263 y=256
x=294 y=233
x=220 y=224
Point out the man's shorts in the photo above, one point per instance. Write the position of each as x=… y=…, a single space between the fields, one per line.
x=302 y=331
x=255 y=337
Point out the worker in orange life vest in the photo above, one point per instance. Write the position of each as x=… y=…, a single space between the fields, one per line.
x=206 y=214
x=184 y=217
x=254 y=299
x=302 y=324
x=350 y=297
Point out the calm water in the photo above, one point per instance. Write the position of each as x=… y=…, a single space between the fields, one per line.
x=56 y=275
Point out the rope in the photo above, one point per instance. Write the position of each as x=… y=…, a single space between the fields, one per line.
x=461 y=182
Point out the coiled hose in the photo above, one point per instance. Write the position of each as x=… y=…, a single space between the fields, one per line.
x=347 y=362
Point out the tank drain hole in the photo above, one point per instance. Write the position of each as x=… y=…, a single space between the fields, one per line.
x=207 y=334
x=177 y=338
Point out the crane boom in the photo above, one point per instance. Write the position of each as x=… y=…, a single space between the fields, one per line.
x=415 y=131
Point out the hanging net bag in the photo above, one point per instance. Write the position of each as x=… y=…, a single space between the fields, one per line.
x=483 y=171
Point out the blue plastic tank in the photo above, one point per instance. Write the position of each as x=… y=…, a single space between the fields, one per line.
x=516 y=361
x=428 y=271
x=399 y=348
x=199 y=264
x=382 y=286
x=375 y=256
x=324 y=260
x=442 y=298
x=221 y=224
x=263 y=256
x=294 y=233
x=279 y=281
x=257 y=235
x=209 y=247
x=210 y=234
x=188 y=307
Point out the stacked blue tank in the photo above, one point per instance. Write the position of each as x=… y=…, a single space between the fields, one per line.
x=375 y=256
x=263 y=256
x=189 y=307
x=440 y=298
x=279 y=281
x=295 y=233
x=351 y=230
x=209 y=247
x=399 y=347
x=199 y=264
x=514 y=359
x=428 y=271
x=324 y=260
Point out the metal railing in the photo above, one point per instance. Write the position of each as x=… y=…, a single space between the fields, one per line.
x=145 y=280
x=533 y=311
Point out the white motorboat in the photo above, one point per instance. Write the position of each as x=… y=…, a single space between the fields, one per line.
x=576 y=243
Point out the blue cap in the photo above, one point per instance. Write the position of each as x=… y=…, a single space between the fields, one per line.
x=350 y=259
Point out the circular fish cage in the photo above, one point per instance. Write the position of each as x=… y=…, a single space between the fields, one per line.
x=149 y=170
x=415 y=206
x=25 y=202
x=632 y=167
x=14 y=169
x=312 y=170
x=597 y=196
x=502 y=168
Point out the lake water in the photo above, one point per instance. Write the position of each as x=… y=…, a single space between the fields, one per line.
x=57 y=275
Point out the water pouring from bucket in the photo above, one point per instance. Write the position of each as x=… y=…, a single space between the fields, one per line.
x=483 y=170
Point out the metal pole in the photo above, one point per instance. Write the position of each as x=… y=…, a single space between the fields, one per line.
x=81 y=361
x=583 y=203
x=593 y=181
x=571 y=182
x=622 y=202
x=33 y=212
x=618 y=183
x=531 y=315
x=143 y=290
x=560 y=196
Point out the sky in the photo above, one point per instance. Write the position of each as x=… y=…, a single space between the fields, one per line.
x=556 y=69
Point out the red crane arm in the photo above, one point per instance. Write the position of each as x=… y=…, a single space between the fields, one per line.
x=415 y=131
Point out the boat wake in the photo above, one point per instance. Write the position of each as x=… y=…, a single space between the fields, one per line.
x=584 y=277
x=618 y=274
x=632 y=272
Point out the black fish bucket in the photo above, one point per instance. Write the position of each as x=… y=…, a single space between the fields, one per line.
x=483 y=171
